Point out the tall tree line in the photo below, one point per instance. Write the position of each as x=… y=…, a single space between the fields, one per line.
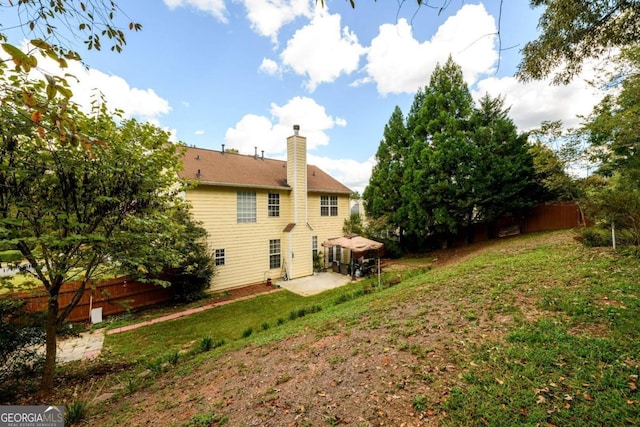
x=450 y=163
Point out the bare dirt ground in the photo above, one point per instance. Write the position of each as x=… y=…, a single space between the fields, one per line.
x=375 y=371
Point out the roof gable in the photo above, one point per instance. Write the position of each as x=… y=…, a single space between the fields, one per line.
x=212 y=167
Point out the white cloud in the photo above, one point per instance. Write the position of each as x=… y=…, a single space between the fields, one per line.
x=398 y=63
x=270 y=134
x=322 y=50
x=269 y=66
x=216 y=8
x=200 y=132
x=268 y=16
x=533 y=102
x=351 y=173
x=88 y=84
x=143 y=103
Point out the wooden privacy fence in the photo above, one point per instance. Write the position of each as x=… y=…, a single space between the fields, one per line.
x=544 y=217
x=122 y=294
x=113 y=296
x=553 y=216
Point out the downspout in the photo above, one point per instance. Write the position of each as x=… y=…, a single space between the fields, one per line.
x=291 y=255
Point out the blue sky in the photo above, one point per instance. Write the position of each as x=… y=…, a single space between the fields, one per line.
x=242 y=72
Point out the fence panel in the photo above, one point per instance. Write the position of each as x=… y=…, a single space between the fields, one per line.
x=553 y=216
x=114 y=296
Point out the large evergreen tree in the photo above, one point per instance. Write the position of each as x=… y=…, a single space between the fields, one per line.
x=437 y=186
x=504 y=173
x=463 y=165
x=382 y=196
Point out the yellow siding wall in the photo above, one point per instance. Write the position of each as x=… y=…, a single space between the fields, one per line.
x=246 y=245
x=328 y=227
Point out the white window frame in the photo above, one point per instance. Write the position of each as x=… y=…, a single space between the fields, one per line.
x=246 y=207
x=328 y=205
x=275 y=252
x=273 y=204
x=220 y=257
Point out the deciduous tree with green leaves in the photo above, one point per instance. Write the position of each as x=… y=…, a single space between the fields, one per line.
x=612 y=129
x=77 y=211
x=573 y=31
x=48 y=26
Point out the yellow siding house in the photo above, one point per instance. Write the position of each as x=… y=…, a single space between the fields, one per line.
x=264 y=217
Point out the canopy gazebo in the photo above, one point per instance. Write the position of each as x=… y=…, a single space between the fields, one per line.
x=359 y=248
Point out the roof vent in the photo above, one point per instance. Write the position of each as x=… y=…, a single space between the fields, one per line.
x=255 y=155
x=198 y=157
x=222 y=148
x=262 y=154
x=198 y=175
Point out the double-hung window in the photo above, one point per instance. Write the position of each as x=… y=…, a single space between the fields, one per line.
x=246 y=206
x=274 y=253
x=273 y=204
x=219 y=257
x=328 y=205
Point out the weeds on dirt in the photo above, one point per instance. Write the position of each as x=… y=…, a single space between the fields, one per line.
x=283 y=379
x=207 y=419
x=420 y=403
x=301 y=312
x=75 y=411
x=208 y=343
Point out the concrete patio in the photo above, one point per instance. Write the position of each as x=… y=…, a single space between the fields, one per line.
x=312 y=285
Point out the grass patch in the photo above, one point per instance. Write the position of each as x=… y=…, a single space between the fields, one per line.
x=546 y=375
x=223 y=322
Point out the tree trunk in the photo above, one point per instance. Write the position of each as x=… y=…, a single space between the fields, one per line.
x=51 y=328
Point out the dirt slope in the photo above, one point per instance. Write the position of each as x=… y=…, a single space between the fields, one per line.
x=387 y=369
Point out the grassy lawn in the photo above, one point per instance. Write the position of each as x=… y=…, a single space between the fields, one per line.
x=268 y=317
x=541 y=330
x=19 y=283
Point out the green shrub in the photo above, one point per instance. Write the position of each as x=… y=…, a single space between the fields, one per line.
x=191 y=280
x=20 y=336
x=247 y=332
x=595 y=237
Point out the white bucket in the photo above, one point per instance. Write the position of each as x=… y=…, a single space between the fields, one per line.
x=96 y=315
